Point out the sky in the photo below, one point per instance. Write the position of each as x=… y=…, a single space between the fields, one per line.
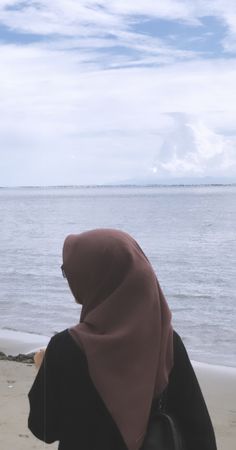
x=97 y=92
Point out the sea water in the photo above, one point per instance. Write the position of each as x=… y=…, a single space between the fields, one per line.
x=188 y=233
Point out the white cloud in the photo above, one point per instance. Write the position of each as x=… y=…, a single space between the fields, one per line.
x=65 y=118
x=107 y=14
x=86 y=19
x=113 y=120
x=192 y=149
x=88 y=25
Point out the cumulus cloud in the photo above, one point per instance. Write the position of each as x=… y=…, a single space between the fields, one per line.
x=192 y=149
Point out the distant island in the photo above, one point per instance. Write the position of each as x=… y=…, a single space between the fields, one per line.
x=142 y=182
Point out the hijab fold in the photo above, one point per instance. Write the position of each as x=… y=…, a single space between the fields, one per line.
x=125 y=325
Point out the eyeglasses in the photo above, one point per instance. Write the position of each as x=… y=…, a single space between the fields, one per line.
x=63 y=271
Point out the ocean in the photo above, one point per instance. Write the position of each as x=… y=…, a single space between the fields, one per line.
x=187 y=232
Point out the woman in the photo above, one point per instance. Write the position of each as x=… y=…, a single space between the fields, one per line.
x=98 y=380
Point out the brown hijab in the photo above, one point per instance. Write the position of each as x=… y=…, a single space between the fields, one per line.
x=125 y=325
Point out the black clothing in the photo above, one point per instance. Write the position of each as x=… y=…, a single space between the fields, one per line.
x=65 y=406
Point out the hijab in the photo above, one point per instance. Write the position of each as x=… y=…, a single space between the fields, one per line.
x=125 y=325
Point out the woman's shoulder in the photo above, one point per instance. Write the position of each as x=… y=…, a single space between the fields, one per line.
x=178 y=341
x=62 y=343
x=181 y=356
x=60 y=336
x=176 y=337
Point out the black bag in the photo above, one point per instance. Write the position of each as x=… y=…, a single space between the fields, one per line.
x=162 y=432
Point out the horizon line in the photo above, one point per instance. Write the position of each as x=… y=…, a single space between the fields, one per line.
x=109 y=185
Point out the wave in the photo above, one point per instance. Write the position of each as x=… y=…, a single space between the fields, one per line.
x=21 y=331
x=190 y=296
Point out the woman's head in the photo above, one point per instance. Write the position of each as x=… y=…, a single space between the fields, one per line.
x=96 y=263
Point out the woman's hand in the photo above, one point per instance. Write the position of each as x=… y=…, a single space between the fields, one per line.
x=38 y=358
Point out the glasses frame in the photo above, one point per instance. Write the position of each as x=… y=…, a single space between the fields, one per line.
x=63 y=271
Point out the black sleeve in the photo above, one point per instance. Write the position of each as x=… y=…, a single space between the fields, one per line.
x=185 y=401
x=44 y=417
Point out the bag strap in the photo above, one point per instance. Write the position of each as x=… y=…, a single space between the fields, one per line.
x=163 y=401
x=159 y=404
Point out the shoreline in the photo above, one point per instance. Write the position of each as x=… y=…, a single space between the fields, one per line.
x=13 y=343
x=21 y=345
x=17 y=345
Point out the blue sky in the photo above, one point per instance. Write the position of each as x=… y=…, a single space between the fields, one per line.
x=108 y=91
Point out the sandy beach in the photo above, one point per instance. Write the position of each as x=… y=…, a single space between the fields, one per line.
x=217 y=382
